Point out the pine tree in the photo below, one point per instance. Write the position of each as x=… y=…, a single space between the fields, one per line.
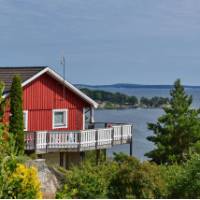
x=16 y=120
x=177 y=130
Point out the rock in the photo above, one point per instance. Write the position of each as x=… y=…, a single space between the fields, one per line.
x=49 y=181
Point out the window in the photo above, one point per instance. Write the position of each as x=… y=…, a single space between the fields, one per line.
x=25 y=117
x=60 y=118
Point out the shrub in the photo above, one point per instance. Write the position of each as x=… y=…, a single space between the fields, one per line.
x=23 y=183
x=136 y=180
x=87 y=181
x=187 y=183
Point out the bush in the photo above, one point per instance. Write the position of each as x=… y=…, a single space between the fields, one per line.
x=187 y=183
x=125 y=177
x=87 y=181
x=23 y=183
x=136 y=180
x=16 y=180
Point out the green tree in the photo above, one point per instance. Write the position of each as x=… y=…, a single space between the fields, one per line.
x=132 y=100
x=177 y=130
x=16 y=120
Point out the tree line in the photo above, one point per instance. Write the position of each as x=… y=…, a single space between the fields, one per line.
x=123 y=99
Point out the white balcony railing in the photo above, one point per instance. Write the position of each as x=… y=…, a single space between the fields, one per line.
x=78 y=140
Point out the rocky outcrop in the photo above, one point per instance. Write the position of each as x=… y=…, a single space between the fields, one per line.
x=49 y=180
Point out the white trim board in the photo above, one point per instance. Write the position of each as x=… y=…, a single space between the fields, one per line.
x=83 y=118
x=26 y=120
x=61 y=80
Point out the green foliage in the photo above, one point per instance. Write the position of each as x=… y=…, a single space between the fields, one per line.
x=133 y=179
x=124 y=177
x=116 y=98
x=187 y=183
x=154 y=102
x=109 y=105
x=177 y=130
x=87 y=181
x=23 y=183
x=90 y=156
x=113 y=100
x=127 y=177
x=13 y=183
x=16 y=180
x=170 y=173
x=16 y=119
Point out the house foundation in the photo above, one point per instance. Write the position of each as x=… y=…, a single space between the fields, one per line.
x=63 y=159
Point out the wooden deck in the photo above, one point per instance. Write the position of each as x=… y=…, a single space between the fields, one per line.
x=81 y=140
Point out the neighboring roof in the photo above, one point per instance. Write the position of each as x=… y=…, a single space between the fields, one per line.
x=7 y=73
x=28 y=74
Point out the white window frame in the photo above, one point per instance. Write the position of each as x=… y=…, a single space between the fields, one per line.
x=66 y=118
x=25 y=122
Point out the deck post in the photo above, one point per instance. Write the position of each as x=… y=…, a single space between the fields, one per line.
x=105 y=154
x=79 y=141
x=121 y=134
x=112 y=137
x=97 y=156
x=47 y=141
x=82 y=155
x=131 y=148
x=96 y=139
x=35 y=141
x=96 y=147
x=131 y=142
x=91 y=115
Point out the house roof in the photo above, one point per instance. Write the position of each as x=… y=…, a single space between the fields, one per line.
x=28 y=74
x=7 y=73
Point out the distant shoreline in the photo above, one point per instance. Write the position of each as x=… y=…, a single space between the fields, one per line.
x=125 y=107
x=110 y=100
x=132 y=86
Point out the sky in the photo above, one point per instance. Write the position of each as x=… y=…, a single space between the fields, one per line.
x=104 y=41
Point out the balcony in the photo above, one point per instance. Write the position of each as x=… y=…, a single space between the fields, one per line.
x=81 y=140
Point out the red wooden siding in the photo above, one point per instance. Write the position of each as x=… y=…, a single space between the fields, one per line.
x=43 y=95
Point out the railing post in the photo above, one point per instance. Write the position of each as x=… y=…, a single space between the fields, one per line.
x=131 y=142
x=79 y=140
x=121 y=134
x=35 y=141
x=112 y=136
x=47 y=141
x=96 y=138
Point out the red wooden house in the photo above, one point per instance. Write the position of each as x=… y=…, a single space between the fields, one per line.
x=54 y=116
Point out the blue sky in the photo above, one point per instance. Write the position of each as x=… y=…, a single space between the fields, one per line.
x=105 y=41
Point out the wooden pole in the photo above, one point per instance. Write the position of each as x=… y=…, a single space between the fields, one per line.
x=105 y=154
x=91 y=115
x=131 y=142
x=97 y=156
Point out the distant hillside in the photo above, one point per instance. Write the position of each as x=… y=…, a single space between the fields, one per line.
x=131 y=86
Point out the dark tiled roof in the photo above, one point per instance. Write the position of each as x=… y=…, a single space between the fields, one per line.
x=7 y=73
